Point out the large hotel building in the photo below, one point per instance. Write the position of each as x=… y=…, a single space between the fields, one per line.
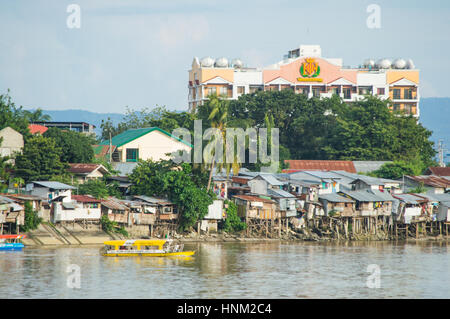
x=305 y=71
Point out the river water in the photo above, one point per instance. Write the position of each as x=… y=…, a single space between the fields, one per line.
x=233 y=270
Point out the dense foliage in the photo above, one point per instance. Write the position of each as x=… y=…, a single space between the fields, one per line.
x=99 y=188
x=32 y=220
x=398 y=169
x=182 y=185
x=75 y=146
x=233 y=223
x=12 y=116
x=40 y=160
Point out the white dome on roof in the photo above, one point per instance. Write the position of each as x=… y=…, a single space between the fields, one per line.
x=207 y=62
x=410 y=64
x=384 y=64
x=400 y=64
x=369 y=63
x=237 y=63
x=221 y=62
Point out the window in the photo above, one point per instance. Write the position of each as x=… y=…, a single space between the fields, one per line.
x=255 y=88
x=132 y=154
x=335 y=91
x=380 y=91
x=397 y=94
x=347 y=93
x=408 y=94
x=396 y=107
x=223 y=90
x=240 y=90
x=210 y=90
x=364 y=90
x=407 y=108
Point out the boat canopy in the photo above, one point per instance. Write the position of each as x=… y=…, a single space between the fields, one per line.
x=12 y=236
x=138 y=242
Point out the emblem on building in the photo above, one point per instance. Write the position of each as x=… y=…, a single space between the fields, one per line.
x=310 y=68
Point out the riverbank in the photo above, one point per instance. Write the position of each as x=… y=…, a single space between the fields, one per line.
x=77 y=234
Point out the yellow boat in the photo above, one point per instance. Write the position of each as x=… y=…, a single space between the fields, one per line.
x=144 y=247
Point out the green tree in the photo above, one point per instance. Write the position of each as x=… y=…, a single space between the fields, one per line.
x=32 y=220
x=398 y=169
x=76 y=147
x=12 y=116
x=178 y=183
x=233 y=223
x=40 y=160
x=36 y=116
x=99 y=188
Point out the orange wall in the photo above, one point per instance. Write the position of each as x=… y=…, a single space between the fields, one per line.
x=328 y=72
x=395 y=75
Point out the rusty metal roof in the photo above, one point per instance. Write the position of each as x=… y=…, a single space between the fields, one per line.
x=431 y=180
x=309 y=165
x=85 y=199
x=439 y=171
x=85 y=168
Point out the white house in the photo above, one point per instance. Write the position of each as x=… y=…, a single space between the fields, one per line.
x=145 y=143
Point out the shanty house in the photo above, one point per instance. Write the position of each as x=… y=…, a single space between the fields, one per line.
x=82 y=208
x=116 y=211
x=85 y=171
x=411 y=207
x=12 y=215
x=335 y=203
x=51 y=191
x=434 y=184
x=250 y=206
x=367 y=203
x=261 y=183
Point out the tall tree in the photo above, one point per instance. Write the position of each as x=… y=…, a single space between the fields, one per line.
x=40 y=160
x=37 y=116
x=75 y=147
x=178 y=183
x=12 y=116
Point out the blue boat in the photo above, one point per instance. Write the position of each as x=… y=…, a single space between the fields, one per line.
x=11 y=242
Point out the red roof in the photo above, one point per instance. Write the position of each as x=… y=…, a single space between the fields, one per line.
x=239 y=180
x=311 y=165
x=439 y=171
x=250 y=198
x=430 y=180
x=36 y=128
x=85 y=199
x=83 y=168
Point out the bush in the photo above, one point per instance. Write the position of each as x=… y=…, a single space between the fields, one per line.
x=233 y=223
x=112 y=226
x=32 y=220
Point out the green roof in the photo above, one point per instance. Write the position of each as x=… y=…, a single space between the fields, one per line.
x=130 y=135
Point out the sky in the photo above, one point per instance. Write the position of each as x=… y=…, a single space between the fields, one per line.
x=138 y=53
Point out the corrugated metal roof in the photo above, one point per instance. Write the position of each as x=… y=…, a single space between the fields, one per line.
x=321 y=165
x=85 y=168
x=254 y=199
x=335 y=198
x=132 y=134
x=436 y=197
x=269 y=178
x=431 y=180
x=410 y=198
x=439 y=171
x=153 y=200
x=113 y=203
x=363 y=196
x=368 y=166
x=85 y=199
x=384 y=195
x=124 y=169
x=53 y=185
x=279 y=193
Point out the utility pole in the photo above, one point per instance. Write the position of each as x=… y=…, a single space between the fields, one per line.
x=441 y=153
x=110 y=147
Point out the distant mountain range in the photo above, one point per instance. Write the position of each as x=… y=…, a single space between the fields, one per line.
x=434 y=115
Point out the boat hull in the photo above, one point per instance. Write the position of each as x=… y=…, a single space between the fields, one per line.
x=11 y=247
x=175 y=254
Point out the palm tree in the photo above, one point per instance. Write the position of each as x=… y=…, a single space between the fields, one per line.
x=216 y=110
x=37 y=116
